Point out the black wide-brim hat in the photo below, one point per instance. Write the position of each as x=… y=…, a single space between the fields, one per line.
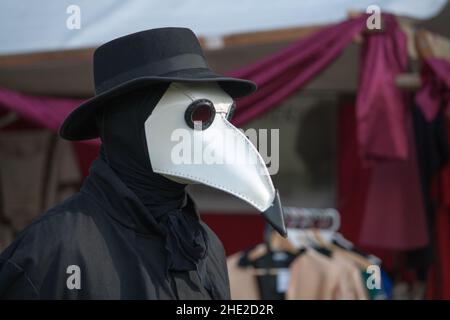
x=142 y=59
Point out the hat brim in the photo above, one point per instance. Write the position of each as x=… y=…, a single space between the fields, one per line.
x=80 y=124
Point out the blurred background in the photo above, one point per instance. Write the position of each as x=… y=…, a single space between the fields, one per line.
x=362 y=110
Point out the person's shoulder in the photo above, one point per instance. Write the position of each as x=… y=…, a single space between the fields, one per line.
x=75 y=206
x=215 y=243
x=41 y=253
x=216 y=264
x=65 y=218
x=211 y=234
x=61 y=224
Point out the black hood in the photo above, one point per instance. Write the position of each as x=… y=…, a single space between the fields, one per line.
x=124 y=151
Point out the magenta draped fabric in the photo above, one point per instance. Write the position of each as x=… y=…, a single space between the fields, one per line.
x=435 y=90
x=380 y=104
x=394 y=216
x=48 y=112
x=282 y=74
x=381 y=206
x=45 y=111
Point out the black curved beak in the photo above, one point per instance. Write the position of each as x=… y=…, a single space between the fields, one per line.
x=274 y=215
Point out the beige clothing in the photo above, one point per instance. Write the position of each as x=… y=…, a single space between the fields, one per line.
x=358 y=260
x=243 y=284
x=313 y=276
x=352 y=278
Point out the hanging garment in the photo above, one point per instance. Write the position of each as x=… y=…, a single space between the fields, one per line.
x=351 y=278
x=260 y=273
x=386 y=284
x=273 y=275
x=432 y=153
x=308 y=275
x=439 y=282
x=243 y=284
x=352 y=176
x=119 y=250
x=317 y=277
x=394 y=215
x=381 y=109
x=371 y=201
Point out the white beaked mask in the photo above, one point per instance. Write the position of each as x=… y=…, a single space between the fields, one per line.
x=190 y=140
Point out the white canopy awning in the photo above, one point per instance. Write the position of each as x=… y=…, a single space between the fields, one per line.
x=30 y=26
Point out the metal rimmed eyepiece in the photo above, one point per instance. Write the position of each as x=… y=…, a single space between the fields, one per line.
x=200 y=111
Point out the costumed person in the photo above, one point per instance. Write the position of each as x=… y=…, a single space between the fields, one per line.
x=132 y=232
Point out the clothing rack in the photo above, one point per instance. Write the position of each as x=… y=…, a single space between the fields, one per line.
x=313 y=262
x=309 y=218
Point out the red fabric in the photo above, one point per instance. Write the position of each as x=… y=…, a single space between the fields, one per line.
x=19 y=124
x=439 y=281
x=86 y=154
x=380 y=105
x=353 y=183
x=434 y=93
x=391 y=203
x=435 y=89
x=47 y=112
x=236 y=231
x=353 y=177
x=381 y=207
x=443 y=253
x=394 y=214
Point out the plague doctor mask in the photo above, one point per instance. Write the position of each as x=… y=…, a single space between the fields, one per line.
x=190 y=140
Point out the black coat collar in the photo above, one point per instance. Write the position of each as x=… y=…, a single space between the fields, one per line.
x=109 y=192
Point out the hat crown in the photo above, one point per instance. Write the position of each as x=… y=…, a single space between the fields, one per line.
x=152 y=52
x=144 y=59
